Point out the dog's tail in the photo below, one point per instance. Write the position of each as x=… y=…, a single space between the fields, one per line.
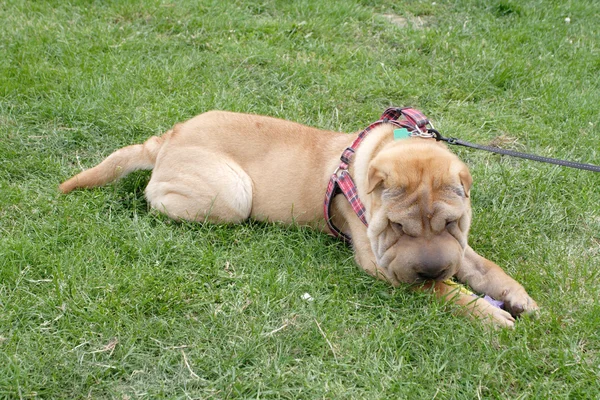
x=117 y=165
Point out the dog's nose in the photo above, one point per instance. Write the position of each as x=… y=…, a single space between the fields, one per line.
x=430 y=274
x=433 y=264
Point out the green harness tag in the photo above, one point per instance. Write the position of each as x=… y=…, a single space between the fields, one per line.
x=400 y=134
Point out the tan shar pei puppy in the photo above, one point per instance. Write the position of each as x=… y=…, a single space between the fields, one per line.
x=226 y=167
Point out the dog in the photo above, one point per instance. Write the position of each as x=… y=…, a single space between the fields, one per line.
x=226 y=167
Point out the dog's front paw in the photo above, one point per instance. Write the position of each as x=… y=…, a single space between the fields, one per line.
x=493 y=316
x=518 y=302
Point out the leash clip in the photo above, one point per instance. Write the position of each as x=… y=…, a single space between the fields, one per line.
x=427 y=134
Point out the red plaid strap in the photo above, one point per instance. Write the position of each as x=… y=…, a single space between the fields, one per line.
x=413 y=118
x=406 y=117
x=341 y=181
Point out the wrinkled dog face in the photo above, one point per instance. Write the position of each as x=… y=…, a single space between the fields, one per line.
x=420 y=210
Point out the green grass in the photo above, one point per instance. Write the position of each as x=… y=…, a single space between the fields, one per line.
x=99 y=298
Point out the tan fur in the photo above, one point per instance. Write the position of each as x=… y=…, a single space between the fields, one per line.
x=228 y=167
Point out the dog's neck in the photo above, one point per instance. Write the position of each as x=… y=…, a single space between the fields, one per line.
x=368 y=149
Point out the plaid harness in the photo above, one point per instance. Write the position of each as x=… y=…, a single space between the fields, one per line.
x=341 y=181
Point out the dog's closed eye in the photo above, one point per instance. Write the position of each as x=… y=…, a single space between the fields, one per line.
x=397 y=228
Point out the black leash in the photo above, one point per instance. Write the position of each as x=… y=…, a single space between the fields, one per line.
x=564 y=163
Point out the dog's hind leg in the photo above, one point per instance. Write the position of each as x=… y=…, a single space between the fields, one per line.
x=197 y=185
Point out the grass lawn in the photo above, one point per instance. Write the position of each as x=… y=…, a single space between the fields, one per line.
x=99 y=298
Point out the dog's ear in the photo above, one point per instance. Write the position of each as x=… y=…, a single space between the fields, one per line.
x=376 y=178
x=466 y=180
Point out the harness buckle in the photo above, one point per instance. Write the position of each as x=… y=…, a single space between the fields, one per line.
x=347 y=155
